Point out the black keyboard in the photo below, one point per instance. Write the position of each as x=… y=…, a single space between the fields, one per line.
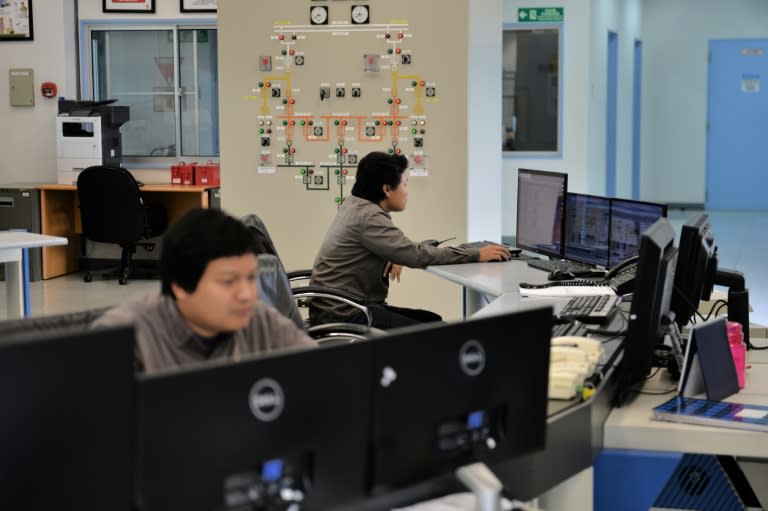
x=590 y=309
x=574 y=328
x=557 y=264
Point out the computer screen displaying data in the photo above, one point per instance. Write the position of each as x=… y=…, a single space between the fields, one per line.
x=629 y=219
x=587 y=228
x=541 y=211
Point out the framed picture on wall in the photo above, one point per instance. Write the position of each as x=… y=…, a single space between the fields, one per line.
x=16 y=20
x=145 y=6
x=198 y=5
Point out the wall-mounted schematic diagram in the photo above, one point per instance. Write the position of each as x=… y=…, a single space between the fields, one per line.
x=330 y=91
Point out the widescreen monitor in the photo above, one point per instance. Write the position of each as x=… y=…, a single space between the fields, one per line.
x=449 y=395
x=66 y=421
x=541 y=211
x=650 y=302
x=262 y=433
x=629 y=219
x=587 y=219
x=696 y=268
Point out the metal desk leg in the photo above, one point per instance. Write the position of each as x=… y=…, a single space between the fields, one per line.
x=473 y=302
x=13 y=281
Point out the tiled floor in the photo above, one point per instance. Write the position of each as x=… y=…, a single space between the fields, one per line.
x=738 y=236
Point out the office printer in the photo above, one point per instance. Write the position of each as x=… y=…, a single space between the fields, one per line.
x=87 y=134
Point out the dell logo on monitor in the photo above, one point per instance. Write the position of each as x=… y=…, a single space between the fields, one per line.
x=472 y=358
x=266 y=400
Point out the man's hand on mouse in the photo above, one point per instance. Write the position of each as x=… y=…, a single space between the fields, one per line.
x=494 y=253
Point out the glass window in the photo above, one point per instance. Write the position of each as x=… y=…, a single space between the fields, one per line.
x=168 y=79
x=531 y=90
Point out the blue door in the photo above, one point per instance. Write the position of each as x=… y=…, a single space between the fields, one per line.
x=610 y=112
x=737 y=134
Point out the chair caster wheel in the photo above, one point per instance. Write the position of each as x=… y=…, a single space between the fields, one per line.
x=87 y=277
x=123 y=281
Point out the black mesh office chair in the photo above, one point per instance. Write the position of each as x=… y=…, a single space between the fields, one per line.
x=113 y=211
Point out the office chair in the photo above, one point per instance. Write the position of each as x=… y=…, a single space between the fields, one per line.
x=277 y=291
x=113 y=211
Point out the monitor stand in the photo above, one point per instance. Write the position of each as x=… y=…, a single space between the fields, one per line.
x=486 y=487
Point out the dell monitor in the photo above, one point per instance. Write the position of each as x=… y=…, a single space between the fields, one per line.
x=448 y=395
x=587 y=220
x=629 y=219
x=66 y=421
x=650 y=303
x=696 y=268
x=541 y=211
x=261 y=433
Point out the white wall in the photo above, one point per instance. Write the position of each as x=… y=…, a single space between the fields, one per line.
x=623 y=18
x=484 y=196
x=27 y=134
x=676 y=38
x=164 y=9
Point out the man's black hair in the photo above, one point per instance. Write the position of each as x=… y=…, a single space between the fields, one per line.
x=375 y=170
x=197 y=238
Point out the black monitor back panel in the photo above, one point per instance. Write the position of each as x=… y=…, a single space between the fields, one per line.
x=440 y=393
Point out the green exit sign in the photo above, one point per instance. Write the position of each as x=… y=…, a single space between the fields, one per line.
x=539 y=14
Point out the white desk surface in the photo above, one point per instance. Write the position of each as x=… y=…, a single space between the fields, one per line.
x=631 y=426
x=16 y=239
x=493 y=278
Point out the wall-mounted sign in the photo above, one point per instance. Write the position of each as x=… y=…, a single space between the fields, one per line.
x=540 y=14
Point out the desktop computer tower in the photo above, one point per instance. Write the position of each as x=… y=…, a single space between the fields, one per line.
x=20 y=209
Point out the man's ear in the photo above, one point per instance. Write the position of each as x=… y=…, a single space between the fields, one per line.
x=387 y=190
x=178 y=291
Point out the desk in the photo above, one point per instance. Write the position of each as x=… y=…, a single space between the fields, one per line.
x=12 y=243
x=60 y=216
x=561 y=474
x=632 y=428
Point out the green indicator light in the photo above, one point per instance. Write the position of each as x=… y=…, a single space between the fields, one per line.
x=285 y=150
x=389 y=50
x=283 y=52
x=261 y=130
x=390 y=101
x=301 y=122
x=261 y=84
x=336 y=122
x=390 y=123
x=413 y=131
x=390 y=150
x=285 y=123
x=337 y=150
x=377 y=123
x=337 y=171
x=337 y=200
x=303 y=171
x=414 y=83
x=285 y=101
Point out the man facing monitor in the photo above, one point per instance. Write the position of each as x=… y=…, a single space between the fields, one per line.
x=363 y=249
x=208 y=306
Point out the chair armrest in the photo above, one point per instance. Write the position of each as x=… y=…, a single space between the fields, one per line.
x=298 y=275
x=342 y=333
x=332 y=294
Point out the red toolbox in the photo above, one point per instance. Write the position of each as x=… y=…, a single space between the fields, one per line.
x=183 y=173
x=207 y=174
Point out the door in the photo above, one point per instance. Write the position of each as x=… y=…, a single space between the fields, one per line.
x=737 y=107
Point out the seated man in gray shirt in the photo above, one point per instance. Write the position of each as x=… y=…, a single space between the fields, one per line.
x=363 y=249
x=208 y=307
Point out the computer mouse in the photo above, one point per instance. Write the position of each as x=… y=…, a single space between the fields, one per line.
x=561 y=275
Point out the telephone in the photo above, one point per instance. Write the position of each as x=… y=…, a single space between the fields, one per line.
x=622 y=276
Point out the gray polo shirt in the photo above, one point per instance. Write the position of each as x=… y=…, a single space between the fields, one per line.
x=356 y=248
x=164 y=341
